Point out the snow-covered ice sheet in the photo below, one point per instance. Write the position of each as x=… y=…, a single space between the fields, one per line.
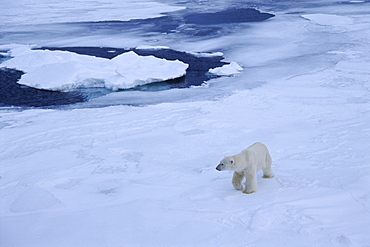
x=109 y=176
x=31 y=12
x=144 y=176
x=62 y=70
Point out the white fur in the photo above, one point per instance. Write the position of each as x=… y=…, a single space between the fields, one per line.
x=246 y=164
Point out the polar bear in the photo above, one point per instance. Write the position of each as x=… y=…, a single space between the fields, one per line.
x=246 y=164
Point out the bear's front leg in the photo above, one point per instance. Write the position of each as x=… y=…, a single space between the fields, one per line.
x=237 y=180
x=250 y=184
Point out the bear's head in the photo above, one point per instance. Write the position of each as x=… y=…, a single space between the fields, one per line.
x=226 y=164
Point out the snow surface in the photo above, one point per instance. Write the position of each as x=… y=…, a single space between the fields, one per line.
x=62 y=70
x=328 y=19
x=144 y=176
x=28 y=12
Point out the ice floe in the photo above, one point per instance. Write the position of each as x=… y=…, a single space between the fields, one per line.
x=62 y=70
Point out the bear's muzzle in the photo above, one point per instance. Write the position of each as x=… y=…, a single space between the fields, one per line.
x=220 y=167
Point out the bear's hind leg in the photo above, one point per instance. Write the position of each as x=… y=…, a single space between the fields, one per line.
x=267 y=173
x=237 y=180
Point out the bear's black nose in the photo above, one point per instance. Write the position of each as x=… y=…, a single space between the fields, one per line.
x=220 y=167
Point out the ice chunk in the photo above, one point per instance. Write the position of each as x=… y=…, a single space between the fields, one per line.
x=227 y=69
x=139 y=70
x=149 y=47
x=206 y=54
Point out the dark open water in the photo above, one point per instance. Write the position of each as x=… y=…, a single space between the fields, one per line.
x=202 y=24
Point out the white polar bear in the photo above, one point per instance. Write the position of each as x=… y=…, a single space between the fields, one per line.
x=246 y=164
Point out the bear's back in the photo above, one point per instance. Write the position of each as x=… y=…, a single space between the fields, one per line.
x=256 y=154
